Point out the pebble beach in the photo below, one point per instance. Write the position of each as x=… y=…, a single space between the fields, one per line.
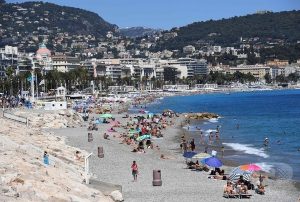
x=178 y=183
x=24 y=177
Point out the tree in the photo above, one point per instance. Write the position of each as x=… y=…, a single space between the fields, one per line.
x=281 y=79
x=293 y=77
x=268 y=78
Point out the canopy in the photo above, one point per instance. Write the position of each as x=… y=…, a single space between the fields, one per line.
x=115 y=123
x=189 y=154
x=250 y=167
x=201 y=156
x=213 y=162
x=144 y=137
x=237 y=172
x=106 y=116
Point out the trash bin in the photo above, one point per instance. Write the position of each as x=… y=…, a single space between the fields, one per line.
x=157 y=178
x=100 y=152
x=90 y=137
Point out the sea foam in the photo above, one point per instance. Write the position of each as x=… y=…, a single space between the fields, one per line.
x=248 y=149
x=213 y=120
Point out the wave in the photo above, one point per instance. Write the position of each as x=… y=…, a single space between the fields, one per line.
x=248 y=149
x=213 y=120
x=191 y=128
x=210 y=130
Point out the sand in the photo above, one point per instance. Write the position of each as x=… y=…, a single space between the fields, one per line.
x=178 y=183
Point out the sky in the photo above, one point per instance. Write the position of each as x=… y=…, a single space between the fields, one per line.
x=166 y=14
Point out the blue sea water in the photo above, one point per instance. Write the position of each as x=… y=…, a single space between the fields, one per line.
x=272 y=114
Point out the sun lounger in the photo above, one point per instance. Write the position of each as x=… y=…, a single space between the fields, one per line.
x=245 y=195
x=226 y=195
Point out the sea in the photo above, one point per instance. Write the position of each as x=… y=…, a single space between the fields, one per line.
x=247 y=118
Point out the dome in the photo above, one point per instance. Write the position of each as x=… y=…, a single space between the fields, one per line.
x=43 y=51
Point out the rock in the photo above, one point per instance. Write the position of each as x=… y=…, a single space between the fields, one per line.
x=116 y=196
x=204 y=115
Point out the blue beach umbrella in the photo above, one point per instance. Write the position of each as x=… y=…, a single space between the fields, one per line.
x=213 y=162
x=189 y=154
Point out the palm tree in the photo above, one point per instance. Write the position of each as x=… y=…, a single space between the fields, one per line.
x=9 y=73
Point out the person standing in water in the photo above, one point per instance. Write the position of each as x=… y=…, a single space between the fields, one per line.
x=266 y=142
x=202 y=141
x=134 y=170
x=192 y=143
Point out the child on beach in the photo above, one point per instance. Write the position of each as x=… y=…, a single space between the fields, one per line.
x=46 y=158
x=134 y=169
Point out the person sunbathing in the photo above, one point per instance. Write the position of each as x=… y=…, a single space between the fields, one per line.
x=243 y=189
x=219 y=177
x=228 y=189
x=106 y=136
x=260 y=189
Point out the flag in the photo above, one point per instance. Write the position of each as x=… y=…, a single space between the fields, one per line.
x=42 y=82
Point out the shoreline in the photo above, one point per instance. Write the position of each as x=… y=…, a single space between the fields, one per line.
x=114 y=168
x=179 y=183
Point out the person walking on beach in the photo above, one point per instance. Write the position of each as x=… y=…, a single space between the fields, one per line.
x=134 y=170
x=192 y=143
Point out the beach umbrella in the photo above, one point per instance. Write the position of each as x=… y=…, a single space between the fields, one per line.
x=213 y=162
x=189 y=154
x=115 y=123
x=106 y=116
x=237 y=172
x=144 y=137
x=250 y=167
x=201 y=156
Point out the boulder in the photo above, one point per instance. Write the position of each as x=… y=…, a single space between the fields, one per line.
x=116 y=196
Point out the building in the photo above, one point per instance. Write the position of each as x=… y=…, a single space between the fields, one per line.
x=194 y=67
x=8 y=58
x=64 y=63
x=276 y=71
x=277 y=62
x=189 y=49
x=176 y=87
x=43 y=58
x=258 y=71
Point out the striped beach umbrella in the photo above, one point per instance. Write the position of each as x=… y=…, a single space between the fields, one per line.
x=237 y=172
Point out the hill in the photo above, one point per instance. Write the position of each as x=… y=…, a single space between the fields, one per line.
x=39 y=19
x=134 y=32
x=227 y=32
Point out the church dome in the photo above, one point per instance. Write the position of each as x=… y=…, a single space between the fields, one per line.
x=43 y=51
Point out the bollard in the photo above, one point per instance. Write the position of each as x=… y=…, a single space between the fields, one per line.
x=100 y=152
x=90 y=137
x=157 y=178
